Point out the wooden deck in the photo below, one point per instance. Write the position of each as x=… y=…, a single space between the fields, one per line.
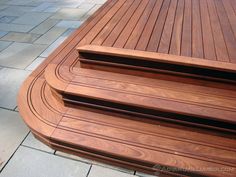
x=141 y=84
x=196 y=28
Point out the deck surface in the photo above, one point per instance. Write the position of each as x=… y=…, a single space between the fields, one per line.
x=203 y=29
x=200 y=29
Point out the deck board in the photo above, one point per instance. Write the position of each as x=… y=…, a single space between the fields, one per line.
x=175 y=46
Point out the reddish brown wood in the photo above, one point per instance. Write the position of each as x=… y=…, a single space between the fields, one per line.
x=154 y=110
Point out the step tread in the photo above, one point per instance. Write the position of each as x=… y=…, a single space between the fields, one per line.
x=147 y=93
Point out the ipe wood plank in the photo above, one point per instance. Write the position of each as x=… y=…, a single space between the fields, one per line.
x=175 y=46
x=167 y=30
x=148 y=28
x=136 y=33
x=186 y=45
x=221 y=50
x=208 y=41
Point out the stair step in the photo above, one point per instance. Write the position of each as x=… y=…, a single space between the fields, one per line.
x=97 y=56
x=152 y=98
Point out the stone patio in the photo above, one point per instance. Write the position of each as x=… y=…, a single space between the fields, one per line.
x=29 y=31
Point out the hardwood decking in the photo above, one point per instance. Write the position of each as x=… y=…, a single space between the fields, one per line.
x=144 y=84
x=200 y=29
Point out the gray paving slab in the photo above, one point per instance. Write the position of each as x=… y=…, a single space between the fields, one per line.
x=90 y=12
x=7 y=19
x=86 y=6
x=32 y=18
x=140 y=174
x=74 y=157
x=98 y=171
x=20 y=37
x=10 y=81
x=32 y=163
x=97 y=1
x=16 y=109
x=32 y=142
x=3 y=33
x=20 y=55
x=2 y=6
x=34 y=3
x=13 y=131
x=35 y=63
x=56 y=43
x=15 y=27
x=70 y=3
x=85 y=160
x=70 y=156
x=69 y=14
x=15 y=10
x=69 y=24
x=43 y=6
x=44 y=26
x=18 y=2
x=52 y=9
x=50 y=36
x=4 y=44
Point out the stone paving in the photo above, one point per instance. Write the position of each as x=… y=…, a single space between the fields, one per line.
x=29 y=31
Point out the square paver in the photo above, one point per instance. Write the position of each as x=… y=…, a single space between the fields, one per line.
x=56 y=43
x=2 y=7
x=20 y=37
x=140 y=174
x=32 y=142
x=74 y=157
x=50 y=36
x=13 y=131
x=29 y=162
x=20 y=55
x=15 y=27
x=52 y=9
x=97 y=1
x=69 y=14
x=7 y=19
x=90 y=12
x=4 y=44
x=32 y=18
x=70 y=3
x=10 y=81
x=98 y=171
x=35 y=63
x=69 y=24
x=42 y=7
x=70 y=156
x=44 y=26
x=3 y=33
x=86 y=6
x=15 y=10
x=18 y=2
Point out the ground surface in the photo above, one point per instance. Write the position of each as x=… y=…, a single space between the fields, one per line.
x=29 y=31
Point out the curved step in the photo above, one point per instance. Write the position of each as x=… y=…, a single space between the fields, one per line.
x=130 y=142
x=173 y=101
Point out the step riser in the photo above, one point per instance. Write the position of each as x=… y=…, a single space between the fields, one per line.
x=172 y=117
x=95 y=56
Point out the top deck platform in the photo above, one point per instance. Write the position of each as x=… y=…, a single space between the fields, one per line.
x=204 y=29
